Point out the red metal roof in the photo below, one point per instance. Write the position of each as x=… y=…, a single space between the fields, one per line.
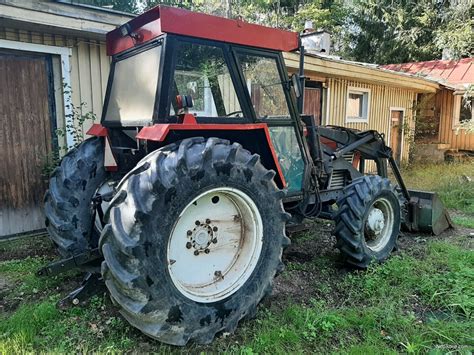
x=451 y=72
x=164 y=19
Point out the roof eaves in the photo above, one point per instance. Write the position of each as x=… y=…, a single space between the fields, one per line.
x=95 y=8
x=372 y=66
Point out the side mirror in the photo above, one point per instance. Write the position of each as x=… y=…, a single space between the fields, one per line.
x=295 y=80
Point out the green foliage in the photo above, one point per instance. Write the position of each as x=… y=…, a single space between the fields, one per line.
x=76 y=117
x=329 y=15
x=377 y=31
x=453 y=182
x=75 y=120
x=463 y=221
x=19 y=332
x=386 y=31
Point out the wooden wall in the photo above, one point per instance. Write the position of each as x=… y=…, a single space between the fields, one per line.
x=457 y=139
x=381 y=99
x=89 y=68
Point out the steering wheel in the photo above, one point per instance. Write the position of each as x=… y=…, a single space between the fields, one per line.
x=233 y=113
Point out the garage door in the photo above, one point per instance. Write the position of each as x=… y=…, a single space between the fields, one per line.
x=25 y=141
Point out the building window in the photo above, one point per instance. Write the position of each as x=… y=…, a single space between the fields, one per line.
x=463 y=111
x=357 y=108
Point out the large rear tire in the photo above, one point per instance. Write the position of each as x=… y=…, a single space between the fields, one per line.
x=194 y=240
x=367 y=221
x=67 y=203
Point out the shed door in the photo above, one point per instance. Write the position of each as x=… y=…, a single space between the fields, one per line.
x=312 y=100
x=396 y=119
x=25 y=141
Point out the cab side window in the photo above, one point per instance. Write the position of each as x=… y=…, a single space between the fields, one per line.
x=265 y=86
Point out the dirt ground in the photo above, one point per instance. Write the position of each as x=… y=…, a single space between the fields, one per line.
x=307 y=247
x=310 y=260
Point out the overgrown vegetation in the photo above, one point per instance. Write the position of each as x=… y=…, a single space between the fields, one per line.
x=77 y=117
x=421 y=300
x=453 y=182
x=375 y=31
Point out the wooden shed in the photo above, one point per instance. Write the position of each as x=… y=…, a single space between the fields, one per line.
x=363 y=96
x=443 y=116
x=52 y=53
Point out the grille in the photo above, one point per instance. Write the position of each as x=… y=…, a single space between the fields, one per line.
x=338 y=177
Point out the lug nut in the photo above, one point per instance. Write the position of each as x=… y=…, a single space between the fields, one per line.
x=188 y=245
x=214 y=229
x=207 y=251
x=196 y=252
x=214 y=240
x=189 y=232
x=197 y=223
x=208 y=221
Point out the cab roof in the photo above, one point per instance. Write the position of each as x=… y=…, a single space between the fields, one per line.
x=165 y=19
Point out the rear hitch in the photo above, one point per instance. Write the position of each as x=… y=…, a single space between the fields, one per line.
x=75 y=261
x=91 y=285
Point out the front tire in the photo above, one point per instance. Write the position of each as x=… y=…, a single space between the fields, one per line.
x=194 y=240
x=367 y=223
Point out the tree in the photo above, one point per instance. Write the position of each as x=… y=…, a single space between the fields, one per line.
x=397 y=31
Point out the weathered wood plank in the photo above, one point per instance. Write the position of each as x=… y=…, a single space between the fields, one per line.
x=25 y=140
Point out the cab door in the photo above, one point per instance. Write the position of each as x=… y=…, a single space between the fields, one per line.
x=267 y=86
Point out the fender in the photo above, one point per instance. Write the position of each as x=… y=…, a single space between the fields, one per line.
x=97 y=130
x=254 y=137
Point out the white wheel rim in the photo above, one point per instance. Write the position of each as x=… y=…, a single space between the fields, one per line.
x=210 y=260
x=379 y=224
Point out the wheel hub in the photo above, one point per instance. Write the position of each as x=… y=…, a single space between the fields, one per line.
x=376 y=221
x=379 y=224
x=202 y=236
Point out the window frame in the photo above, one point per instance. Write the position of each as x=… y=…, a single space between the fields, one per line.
x=457 y=104
x=160 y=41
x=278 y=57
x=366 y=96
x=174 y=40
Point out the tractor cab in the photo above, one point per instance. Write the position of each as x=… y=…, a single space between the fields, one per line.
x=169 y=69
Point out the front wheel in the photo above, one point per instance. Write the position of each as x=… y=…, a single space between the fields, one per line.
x=367 y=221
x=194 y=239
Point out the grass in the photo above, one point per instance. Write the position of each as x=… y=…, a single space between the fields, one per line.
x=453 y=182
x=407 y=305
x=420 y=301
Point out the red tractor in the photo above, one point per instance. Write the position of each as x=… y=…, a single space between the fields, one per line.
x=181 y=199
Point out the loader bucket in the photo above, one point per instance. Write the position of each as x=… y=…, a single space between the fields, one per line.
x=426 y=213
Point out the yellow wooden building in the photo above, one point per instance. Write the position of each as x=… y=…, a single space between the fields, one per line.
x=363 y=96
x=52 y=56
x=53 y=59
x=445 y=118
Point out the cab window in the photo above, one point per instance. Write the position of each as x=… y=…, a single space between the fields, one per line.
x=201 y=73
x=133 y=89
x=265 y=86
